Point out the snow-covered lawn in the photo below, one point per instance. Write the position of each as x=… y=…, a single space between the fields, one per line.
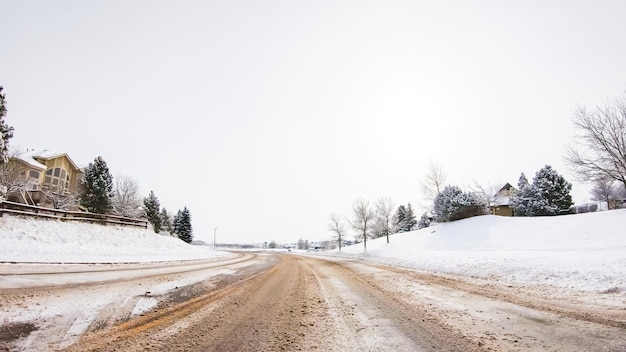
x=583 y=252
x=24 y=239
x=62 y=317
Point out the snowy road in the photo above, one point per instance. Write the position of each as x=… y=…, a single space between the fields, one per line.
x=276 y=302
x=47 y=307
x=50 y=275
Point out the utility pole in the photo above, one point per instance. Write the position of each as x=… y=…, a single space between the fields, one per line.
x=214 y=234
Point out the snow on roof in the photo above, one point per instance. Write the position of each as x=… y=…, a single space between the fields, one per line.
x=503 y=187
x=29 y=157
x=500 y=200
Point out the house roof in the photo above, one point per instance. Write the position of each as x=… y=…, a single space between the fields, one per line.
x=504 y=187
x=29 y=158
x=500 y=198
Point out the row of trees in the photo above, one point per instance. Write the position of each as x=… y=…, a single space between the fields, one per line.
x=97 y=192
x=549 y=194
x=597 y=155
x=373 y=222
x=161 y=220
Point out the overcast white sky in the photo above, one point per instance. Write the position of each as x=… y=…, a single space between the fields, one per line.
x=263 y=117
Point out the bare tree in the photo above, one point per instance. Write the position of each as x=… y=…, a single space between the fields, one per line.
x=60 y=200
x=13 y=176
x=337 y=226
x=606 y=190
x=487 y=196
x=432 y=183
x=126 y=200
x=362 y=220
x=599 y=148
x=384 y=208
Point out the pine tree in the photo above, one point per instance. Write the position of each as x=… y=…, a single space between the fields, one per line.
x=404 y=219
x=398 y=219
x=549 y=194
x=553 y=192
x=152 y=207
x=166 y=221
x=176 y=225
x=97 y=187
x=522 y=197
x=6 y=131
x=182 y=225
x=409 y=220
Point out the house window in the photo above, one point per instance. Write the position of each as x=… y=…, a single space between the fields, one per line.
x=34 y=174
x=57 y=180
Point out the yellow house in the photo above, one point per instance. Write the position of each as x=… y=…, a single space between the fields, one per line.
x=37 y=171
x=500 y=203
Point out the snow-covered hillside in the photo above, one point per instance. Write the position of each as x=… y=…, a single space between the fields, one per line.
x=583 y=252
x=50 y=241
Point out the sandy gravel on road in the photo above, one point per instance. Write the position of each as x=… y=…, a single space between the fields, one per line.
x=301 y=304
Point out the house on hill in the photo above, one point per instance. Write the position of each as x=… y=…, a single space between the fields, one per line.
x=34 y=173
x=500 y=202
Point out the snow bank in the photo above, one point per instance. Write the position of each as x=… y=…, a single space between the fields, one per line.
x=34 y=240
x=584 y=251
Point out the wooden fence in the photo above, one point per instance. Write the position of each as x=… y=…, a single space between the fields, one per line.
x=49 y=213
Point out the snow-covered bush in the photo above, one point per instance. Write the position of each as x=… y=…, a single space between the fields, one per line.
x=454 y=204
x=424 y=221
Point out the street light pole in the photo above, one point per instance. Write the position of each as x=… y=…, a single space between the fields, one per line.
x=214 y=233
